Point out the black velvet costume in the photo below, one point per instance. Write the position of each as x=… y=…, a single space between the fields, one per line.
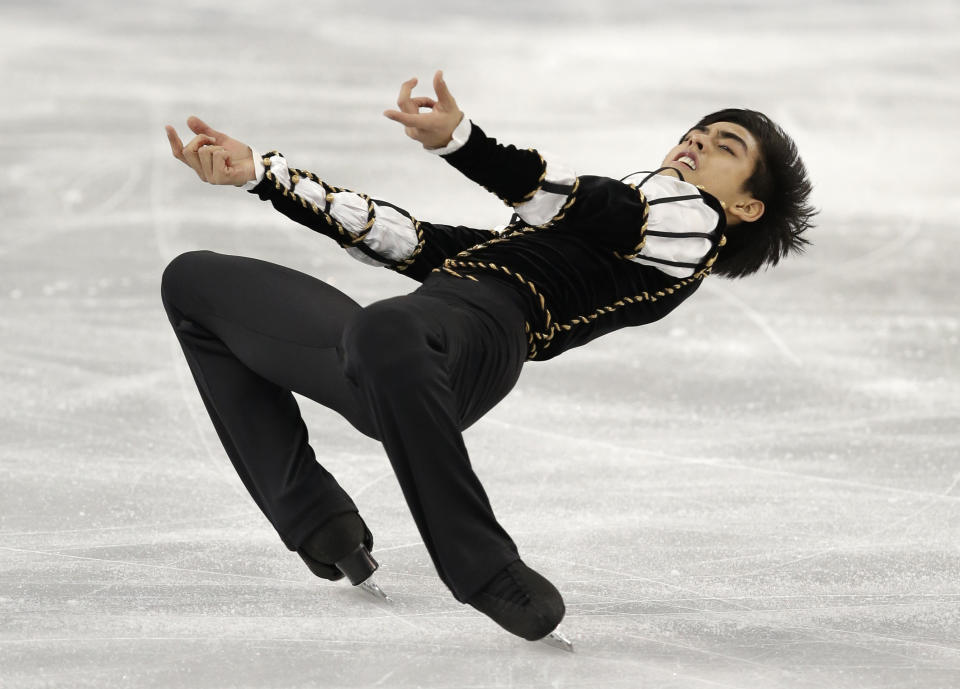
x=413 y=371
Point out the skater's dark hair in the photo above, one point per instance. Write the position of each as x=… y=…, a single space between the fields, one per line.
x=780 y=181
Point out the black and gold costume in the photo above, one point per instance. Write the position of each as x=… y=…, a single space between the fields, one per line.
x=581 y=257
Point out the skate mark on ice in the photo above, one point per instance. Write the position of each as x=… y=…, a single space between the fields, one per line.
x=758 y=320
x=811 y=635
x=714 y=462
x=132 y=176
x=738 y=608
x=97 y=173
x=231 y=575
x=876 y=637
x=317 y=643
x=870 y=260
x=953 y=484
x=868 y=540
x=626 y=576
x=673 y=676
x=712 y=654
x=146 y=565
x=370 y=484
x=816 y=635
x=147 y=527
x=937 y=599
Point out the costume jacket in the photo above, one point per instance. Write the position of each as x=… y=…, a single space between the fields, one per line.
x=591 y=254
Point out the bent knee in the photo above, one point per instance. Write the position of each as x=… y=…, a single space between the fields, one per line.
x=185 y=268
x=183 y=274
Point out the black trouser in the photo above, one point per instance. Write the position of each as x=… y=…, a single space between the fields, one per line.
x=411 y=371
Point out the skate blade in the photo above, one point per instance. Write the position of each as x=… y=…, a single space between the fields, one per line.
x=558 y=639
x=371 y=587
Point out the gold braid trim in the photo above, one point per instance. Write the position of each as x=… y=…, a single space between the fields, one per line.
x=409 y=260
x=529 y=195
x=508 y=233
x=346 y=238
x=643 y=227
x=371 y=218
x=349 y=239
x=449 y=265
x=636 y=299
x=518 y=229
x=543 y=175
x=544 y=338
x=572 y=199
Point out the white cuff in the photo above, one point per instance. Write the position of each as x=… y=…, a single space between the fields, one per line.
x=460 y=136
x=258 y=171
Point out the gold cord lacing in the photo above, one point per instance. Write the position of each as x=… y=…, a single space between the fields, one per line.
x=533 y=192
x=539 y=340
x=550 y=328
x=345 y=238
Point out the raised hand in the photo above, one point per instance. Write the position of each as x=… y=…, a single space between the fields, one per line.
x=214 y=156
x=433 y=129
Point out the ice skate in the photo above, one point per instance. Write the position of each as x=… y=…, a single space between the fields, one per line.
x=524 y=603
x=345 y=541
x=558 y=639
x=373 y=588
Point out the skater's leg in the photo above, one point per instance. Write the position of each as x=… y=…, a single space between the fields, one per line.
x=251 y=332
x=415 y=360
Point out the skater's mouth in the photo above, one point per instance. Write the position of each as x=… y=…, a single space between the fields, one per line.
x=688 y=158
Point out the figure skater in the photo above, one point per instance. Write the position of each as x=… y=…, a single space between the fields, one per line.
x=582 y=256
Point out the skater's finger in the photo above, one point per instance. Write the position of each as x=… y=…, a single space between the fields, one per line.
x=190 y=153
x=206 y=161
x=198 y=126
x=203 y=156
x=176 y=145
x=405 y=118
x=423 y=102
x=444 y=97
x=221 y=171
x=406 y=88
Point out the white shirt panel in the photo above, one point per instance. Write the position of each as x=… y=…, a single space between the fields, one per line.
x=675 y=217
x=392 y=235
x=545 y=204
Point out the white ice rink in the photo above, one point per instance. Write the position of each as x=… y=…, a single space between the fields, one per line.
x=761 y=491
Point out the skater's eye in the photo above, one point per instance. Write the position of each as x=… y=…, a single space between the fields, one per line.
x=727 y=149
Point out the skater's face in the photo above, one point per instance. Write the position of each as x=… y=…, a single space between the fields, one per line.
x=720 y=157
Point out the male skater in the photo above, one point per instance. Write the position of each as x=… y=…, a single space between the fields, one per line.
x=582 y=256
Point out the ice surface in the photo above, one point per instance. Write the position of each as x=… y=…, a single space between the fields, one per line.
x=760 y=491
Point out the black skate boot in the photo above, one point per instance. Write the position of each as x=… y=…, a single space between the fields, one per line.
x=524 y=603
x=341 y=547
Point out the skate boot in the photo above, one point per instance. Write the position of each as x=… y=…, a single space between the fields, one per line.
x=524 y=603
x=341 y=547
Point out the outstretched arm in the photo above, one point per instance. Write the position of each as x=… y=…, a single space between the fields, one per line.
x=372 y=231
x=541 y=192
x=537 y=190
